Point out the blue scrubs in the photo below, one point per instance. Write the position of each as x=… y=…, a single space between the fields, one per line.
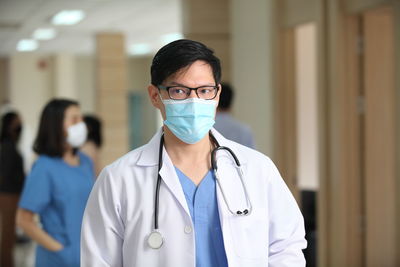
x=203 y=207
x=58 y=193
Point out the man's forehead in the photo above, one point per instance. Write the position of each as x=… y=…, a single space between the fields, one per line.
x=181 y=73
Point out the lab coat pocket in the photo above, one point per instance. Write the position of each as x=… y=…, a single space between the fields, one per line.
x=250 y=235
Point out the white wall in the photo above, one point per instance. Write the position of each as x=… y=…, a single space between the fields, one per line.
x=65 y=83
x=30 y=78
x=30 y=85
x=36 y=78
x=251 y=31
x=306 y=105
x=85 y=82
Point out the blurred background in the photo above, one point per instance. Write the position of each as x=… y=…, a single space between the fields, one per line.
x=317 y=81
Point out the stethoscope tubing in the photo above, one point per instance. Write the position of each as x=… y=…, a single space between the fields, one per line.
x=155 y=233
x=157 y=196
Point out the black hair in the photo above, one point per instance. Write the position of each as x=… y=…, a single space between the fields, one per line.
x=180 y=54
x=226 y=96
x=50 y=139
x=93 y=125
x=6 y=122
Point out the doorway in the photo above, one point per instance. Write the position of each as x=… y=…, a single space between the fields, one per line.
x=357 y=124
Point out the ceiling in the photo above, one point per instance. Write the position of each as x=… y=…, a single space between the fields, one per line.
x=146 y=22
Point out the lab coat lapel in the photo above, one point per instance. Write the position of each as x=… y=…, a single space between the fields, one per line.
x=149 y=157
x=170 y=178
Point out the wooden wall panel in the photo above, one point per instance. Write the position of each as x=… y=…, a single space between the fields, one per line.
x=337 y=137
x=285 y=132
x=4 y=84
x=396 y=8
x=380 y=138
x=112 y=95
x=353 y=157
x=357 y=6
x=209 y=22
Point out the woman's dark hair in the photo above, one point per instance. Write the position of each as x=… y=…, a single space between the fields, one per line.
x=50 y=139
x=93 y=125
x=180 y=54
x=6 y=122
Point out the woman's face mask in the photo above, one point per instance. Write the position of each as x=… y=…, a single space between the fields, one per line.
x=77 y=134
x=190 y=119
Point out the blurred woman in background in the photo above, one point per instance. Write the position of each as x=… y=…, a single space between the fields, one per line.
x=58 y=186
x=11 y=182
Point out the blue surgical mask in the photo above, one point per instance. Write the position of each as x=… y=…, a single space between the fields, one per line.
x=190 y=119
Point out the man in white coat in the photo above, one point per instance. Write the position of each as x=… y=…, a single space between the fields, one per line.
x=190 y=197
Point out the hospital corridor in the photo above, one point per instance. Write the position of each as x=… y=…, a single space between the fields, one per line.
x=199 y=133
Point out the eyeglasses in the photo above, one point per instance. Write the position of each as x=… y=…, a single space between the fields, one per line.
x=181 y=92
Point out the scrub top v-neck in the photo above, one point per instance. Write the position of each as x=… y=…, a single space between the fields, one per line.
x=58 y=192
x=203 y=207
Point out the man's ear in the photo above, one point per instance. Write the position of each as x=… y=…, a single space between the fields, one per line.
x=219 y=90
x=218 y=93
x=154 y=95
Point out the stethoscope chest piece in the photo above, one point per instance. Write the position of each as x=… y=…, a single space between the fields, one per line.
x=155 y=240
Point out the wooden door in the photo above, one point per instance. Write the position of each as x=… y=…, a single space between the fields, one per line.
x=380 y=103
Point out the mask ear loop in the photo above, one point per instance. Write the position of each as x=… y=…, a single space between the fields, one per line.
x=159 y=94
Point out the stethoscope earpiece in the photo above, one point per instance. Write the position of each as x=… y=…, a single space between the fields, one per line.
x=244 y=212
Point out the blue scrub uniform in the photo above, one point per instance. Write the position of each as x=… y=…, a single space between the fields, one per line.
x=58 y=193
x=203 y=207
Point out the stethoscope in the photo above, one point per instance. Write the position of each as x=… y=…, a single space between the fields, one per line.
x=155 y=239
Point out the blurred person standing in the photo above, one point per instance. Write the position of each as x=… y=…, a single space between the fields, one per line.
x=94 y=141
x=228 y=126
x=58 y=186
x=11 y=183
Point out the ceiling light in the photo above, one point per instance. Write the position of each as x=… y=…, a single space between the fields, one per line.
x=139 y=49
x=25 y=45
x=170 y=37
x=44 y=34
x=68 y=17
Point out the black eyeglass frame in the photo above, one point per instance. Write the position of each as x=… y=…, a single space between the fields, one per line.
x=216 y=87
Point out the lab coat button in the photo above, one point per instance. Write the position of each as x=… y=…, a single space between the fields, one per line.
x=188 y=229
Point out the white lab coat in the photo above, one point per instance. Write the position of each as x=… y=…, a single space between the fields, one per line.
x=119 y=213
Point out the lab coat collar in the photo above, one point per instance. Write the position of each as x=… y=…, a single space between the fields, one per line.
x=149 y=155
